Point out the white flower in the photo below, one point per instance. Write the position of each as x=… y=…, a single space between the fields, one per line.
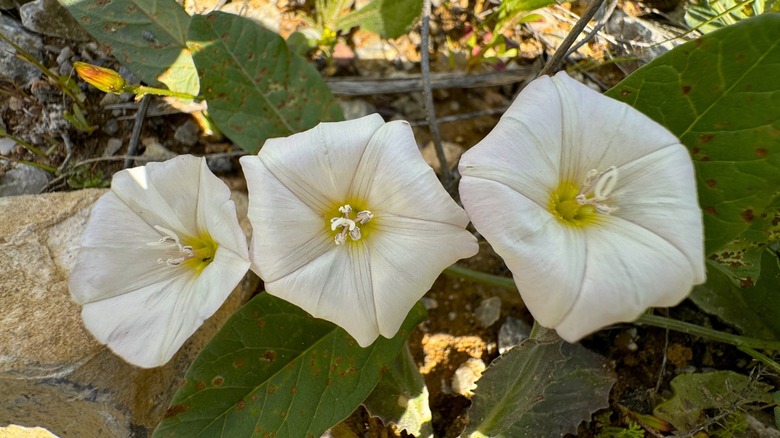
x=591 y=204
x=161 y=253
x=350 y=224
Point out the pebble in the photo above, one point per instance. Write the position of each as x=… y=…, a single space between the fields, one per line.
x=464 y=381
x=187 y=133
x=430 y=303
x=111 y=127
x=219 y=164
x=512 y=332
x=488 y=311
x=6 y=145
x=23 y=180
x=356 y=108
x=155 y=151
x=112 y=147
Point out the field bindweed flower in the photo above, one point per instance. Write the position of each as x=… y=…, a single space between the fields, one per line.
x=161 y=252
x=351 y=224
x=591 y=204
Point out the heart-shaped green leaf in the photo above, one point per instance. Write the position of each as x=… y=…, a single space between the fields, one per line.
x=146 y=36
x=273 y=370
x=255 y=87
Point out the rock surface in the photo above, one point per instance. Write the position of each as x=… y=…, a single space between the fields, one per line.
x=23 y=180
x=48 y=17
x=53 y=374
x=14 y=69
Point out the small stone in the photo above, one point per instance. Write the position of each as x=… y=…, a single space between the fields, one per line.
x=13 y=68
x=111 y=127
x=23 y=180
x=6 y=145
x=219 y=164
x=452 y=152
x=187 y=133
x=48 y=17
x=452 y=316
x=65 y=55
x=430 y=303
x=511 y=333
x=464 y=381
x=155 y=151
x=488 y=311
x=356 y=108
x=112 y=147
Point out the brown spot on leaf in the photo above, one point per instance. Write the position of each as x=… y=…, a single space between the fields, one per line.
x=746 y=282
x=261 y=323
x=747 y=215
x=712 y=183
x=238 y=363
x=695 y=150
x=711 y=210
x=294 y=390
x=199 y=385
x=271 y=389
x=217 y=381
x=269 y=355
x=761 y=152
x=625 y=92
x=705 y=138
x=241 y=404
x=686 y=89
x=176 y=410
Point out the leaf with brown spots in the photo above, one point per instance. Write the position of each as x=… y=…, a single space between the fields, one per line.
x=729 y=118
x=272 y=93
x=297 y=377
x=146 y=36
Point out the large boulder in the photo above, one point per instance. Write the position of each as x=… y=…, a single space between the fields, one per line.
x=53 y=374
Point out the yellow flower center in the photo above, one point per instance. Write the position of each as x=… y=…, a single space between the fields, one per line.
x=581 y=206
x=350 y=224
x=193 y=252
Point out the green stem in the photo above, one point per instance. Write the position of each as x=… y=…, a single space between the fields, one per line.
x=761 y=358
x=646 y=319
x=30 y=163
x=142 y=90
x=28 y=146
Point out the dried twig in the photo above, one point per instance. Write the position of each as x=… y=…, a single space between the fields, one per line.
x=555 y=62
x=135 y=137
x=428 y=94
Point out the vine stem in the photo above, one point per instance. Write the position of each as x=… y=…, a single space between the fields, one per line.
x=554 y=63
x=744 y=343
x=425 y=66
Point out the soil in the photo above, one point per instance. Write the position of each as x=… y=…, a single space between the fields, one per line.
x=643 y=359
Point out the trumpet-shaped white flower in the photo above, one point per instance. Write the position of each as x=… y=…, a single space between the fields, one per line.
x=350 y=224
x=161 y=252
x=591 y=204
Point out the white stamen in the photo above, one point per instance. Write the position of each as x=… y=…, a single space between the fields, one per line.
x=349 y=226
x=170 y=238
x=600 y=189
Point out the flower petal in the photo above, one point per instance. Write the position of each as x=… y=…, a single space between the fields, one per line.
x=599 y=132
x=546 y=258
x=658 y=193
x=628 y=269
x=394 y=179
x=407 y=255
x=287 y=233
x=317 y=165
x=336 y=286
x=523 y=150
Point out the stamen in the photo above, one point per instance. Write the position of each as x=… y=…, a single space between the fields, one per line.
x=349 y=226
x=170 y=238
x=597 y=192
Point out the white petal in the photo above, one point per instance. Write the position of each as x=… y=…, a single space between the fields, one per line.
x=599 y=132
x=407 y=255
x=628 y=269
x=523 y=150
x=658 y=193
x=287 y=234
x=148 y=326
x=546 y=258
x=393 y=178
x=336 y=286
x=317 y=165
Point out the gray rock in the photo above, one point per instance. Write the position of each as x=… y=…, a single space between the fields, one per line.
x=112 y=147
x=48 y=17
x=20 y=72
x=111 y=127
x=356 y=108
x=219 y=164
x=511 y=333
x=187 y=133
x=155 y=151
x=464 y=381
x=488 y=311
x=53 y=374
x=23 y=180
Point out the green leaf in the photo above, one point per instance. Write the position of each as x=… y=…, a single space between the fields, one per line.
x=273 y=370
x=720 y=390
x=540 y=389
x=387 y=18
x=255 y=87
x=754 y=310
x=707 y=16
x=146 y=36
x=401 y=398
x=718 y=96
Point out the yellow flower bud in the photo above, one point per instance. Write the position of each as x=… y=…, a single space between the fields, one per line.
x=104 y=79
